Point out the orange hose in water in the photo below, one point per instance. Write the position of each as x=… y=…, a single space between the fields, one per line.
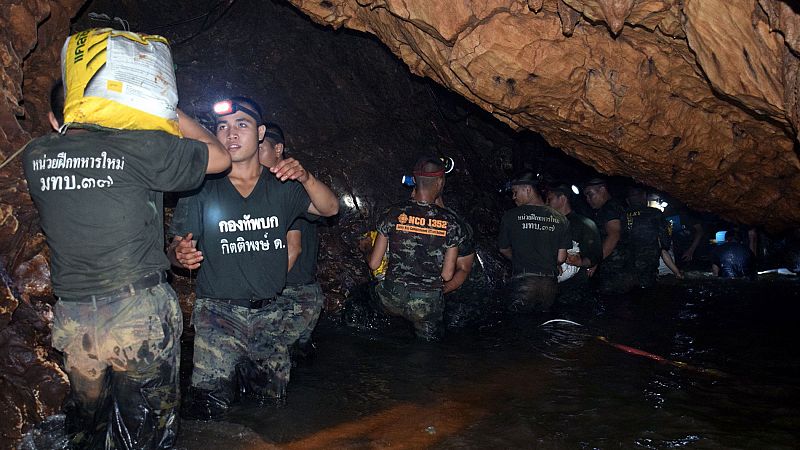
x=661 y=359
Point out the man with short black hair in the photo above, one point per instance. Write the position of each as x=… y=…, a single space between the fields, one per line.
x=535 y=237
x=234 y=231
x=117 y=321
x=422 y=241
x=732 y=259
x=649 y=238
x=302 y=289
x=584 y=234
x=612 y=272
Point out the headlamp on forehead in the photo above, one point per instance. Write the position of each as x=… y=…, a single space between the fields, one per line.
x=449 y=164
x=226 y=107
x=223 y=108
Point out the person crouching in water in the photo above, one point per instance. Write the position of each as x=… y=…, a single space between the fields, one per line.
x=422 y=241
x=535 y=238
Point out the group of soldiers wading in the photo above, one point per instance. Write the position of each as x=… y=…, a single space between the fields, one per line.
x=118 y=322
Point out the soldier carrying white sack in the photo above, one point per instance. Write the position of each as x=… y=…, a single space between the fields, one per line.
x=98 y=189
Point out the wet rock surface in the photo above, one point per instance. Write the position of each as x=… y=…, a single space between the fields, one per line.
x=697 y=98
x=32 y=386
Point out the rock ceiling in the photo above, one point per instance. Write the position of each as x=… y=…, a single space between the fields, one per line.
x=698 y=98
x=695 y=97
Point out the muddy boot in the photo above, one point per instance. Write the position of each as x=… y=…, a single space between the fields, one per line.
x=259 y=384
x=202 y=404
x=50 y=434
x=303 y=353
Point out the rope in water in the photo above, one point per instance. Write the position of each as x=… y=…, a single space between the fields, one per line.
x=637 y=352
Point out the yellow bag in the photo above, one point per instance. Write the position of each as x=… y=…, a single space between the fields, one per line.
x=119 y=79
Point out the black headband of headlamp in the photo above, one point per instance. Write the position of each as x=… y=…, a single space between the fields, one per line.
x=232 y=107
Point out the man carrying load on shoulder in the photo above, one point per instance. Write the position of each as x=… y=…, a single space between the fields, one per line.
x=117 y=320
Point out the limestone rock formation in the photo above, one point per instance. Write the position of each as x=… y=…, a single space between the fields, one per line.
x=32 y=386
x=697 y=97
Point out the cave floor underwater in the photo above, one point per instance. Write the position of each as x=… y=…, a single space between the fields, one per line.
x=700 y=363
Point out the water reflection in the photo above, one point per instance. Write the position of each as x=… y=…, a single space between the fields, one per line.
x=517 y=384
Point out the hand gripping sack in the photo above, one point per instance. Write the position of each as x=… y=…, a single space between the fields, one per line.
x=119 y=79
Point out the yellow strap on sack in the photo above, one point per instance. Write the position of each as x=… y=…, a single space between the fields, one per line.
x=119 y=79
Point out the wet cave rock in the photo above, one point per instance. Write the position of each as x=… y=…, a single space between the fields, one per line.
x=698 y=98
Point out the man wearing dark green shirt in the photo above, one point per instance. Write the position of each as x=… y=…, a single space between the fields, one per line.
x=117 y=320
x=649 y=238
x=583 y=232
x=535 y=238
x=234 y=231
x=302 y=290
x=613 y=273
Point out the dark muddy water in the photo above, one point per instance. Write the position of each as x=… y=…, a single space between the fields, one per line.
x=729 y=379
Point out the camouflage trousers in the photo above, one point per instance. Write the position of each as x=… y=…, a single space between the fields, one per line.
x=121 y=354
x=532 y=293
x=306 y=306
x=614 y=276
x=238 y=350
x=645 y=265
x=425 y=309
x=576 y=290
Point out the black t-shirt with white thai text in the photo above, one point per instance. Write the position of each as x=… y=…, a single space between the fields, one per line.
x=534 y=233
x=100 y=202
x=243 y=239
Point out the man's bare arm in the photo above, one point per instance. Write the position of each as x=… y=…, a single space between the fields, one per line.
x=449 y=266
x=219 y=160
x=378 y=251
x=323 y=201
x=463 y=268
x=562 y=255
x=293 y=247
x=614 y=232
x=671 y=263
x=698 y=235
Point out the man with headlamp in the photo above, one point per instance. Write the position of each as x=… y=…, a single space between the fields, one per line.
x=234 y=231
x=422 y=241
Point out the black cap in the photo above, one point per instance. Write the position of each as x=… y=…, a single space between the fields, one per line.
x=596 y=181
x=561 y=188
x=636 y=190
x=525 y=178
x=275 y=133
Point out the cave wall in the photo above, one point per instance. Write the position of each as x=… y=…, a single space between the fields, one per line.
x=32 y=385
x=698 y=98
